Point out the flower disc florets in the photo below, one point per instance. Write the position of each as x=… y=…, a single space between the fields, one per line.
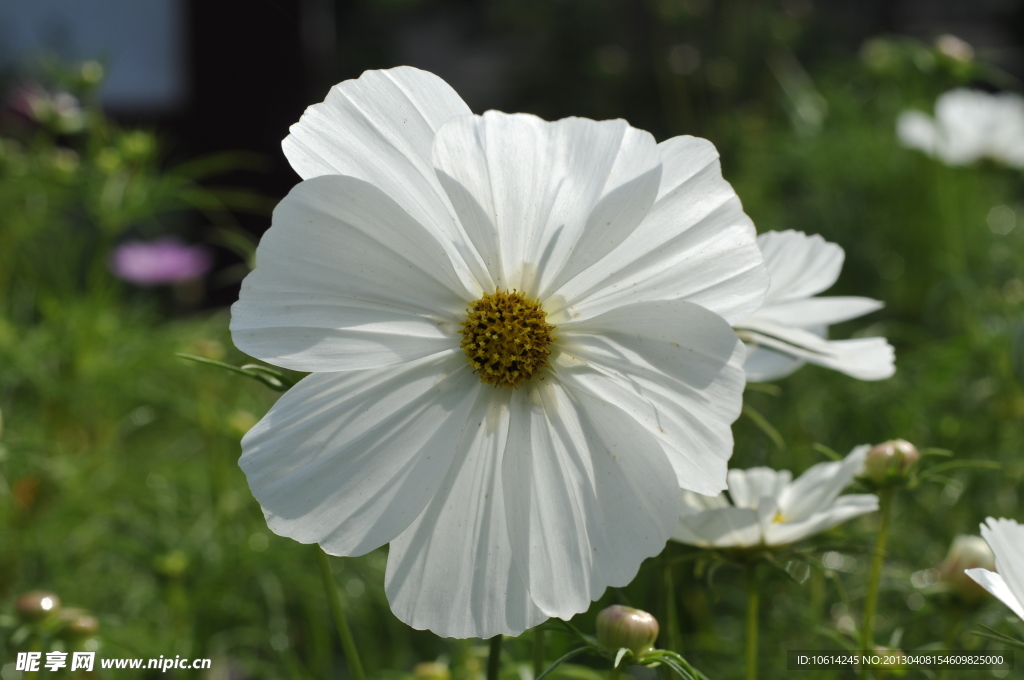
x=505 y=337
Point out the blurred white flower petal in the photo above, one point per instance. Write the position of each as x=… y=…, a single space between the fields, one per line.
x=969 y=125
x=503 y=506
x=1006 y=538
x=791 y=328
x=765 y=507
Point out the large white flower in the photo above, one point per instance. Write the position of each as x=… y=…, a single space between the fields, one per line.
x=790 y=329
x=766 y=508
x=969 y=125
x=1006 y=538
x=519 y=339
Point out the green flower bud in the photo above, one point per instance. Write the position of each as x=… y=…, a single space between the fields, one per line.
x=619 y=627
x=79 y=623
x=431 y=670
x=36 y=605
x=966 y=552
x=890 y=458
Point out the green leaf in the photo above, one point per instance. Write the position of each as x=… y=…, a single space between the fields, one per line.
x=562 y=659
x=272 y=378
x=766 y=427
x=830 y=453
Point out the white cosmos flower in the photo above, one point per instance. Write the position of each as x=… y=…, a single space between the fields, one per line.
x=790 y=329
x=502 y=506
x=1006 y=538
x=969 y=125
x=766 y=508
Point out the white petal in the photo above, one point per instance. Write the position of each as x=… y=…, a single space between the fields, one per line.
x=696 y=244
x=380 y=128
x=720 y=528
x=916 y=130
x=843 y=509
x=817 y=488
x=748 y=487
x=676 y=368
x=542 y=201
x=816 y=311
x=799 y=265
x=763 y=364
x=345 y=280
x=588 y=496
x=996 y=584
x=349 y=460
x=452 y=570
x=863 y=358
x=1006 y=538
x=696 y=503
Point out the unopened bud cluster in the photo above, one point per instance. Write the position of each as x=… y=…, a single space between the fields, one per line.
x=619 y=626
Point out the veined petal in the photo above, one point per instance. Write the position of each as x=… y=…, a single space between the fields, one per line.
x=844 y=508
x=345 y=280
x=996 y=585
x=380 y=128
x=452 y=570
x=349 y=460
x=588 y=496
x=799 y=265
x=696 y=244
x=748 y=487
x=763 y=364
x=1006 y=538
x=817 y=488
x=863 y=358
x=543 y=201
x=720 y=528
x=816 y=311
x=673 y=366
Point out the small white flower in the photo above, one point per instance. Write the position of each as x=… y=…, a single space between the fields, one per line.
x=1006 y=538
x=790 y=329
x=519 y=339
x=765 y=508
x=969 y=125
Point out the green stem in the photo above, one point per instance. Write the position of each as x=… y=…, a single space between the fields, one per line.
x=494 y=658
x=753 y=604
x=672 y=637
x=875 y=576
x=348 y=644
x=616 y=672
x=538 y=651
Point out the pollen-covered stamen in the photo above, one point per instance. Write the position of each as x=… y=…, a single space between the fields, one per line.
x=505 y=337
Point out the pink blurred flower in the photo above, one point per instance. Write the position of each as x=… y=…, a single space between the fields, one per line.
x=163 y=261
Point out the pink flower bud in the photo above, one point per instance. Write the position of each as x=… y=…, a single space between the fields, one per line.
x=619 y=626
x=36 y=605
x=893 y=457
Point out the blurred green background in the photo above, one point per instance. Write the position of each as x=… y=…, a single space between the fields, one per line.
x=119 y=488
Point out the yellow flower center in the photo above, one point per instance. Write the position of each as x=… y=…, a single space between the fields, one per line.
x=505 y=337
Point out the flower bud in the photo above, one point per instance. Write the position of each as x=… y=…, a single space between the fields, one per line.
x=966 y=552
x=888 y=458
x=954 y=48
x=619 y=627
x=79 y=623
x=36 y=605
x=431 y=670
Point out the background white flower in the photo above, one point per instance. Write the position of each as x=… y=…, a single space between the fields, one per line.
x=765 y=508
x=502 y=507
x=969 y=125
x=789 y=330
x=1006 y=538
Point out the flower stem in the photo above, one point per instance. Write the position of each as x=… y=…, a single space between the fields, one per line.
x=753 y=605
x=348 y=644
x=538 y=651
x=672 y=641
x=875 y=576
x=494 y=658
